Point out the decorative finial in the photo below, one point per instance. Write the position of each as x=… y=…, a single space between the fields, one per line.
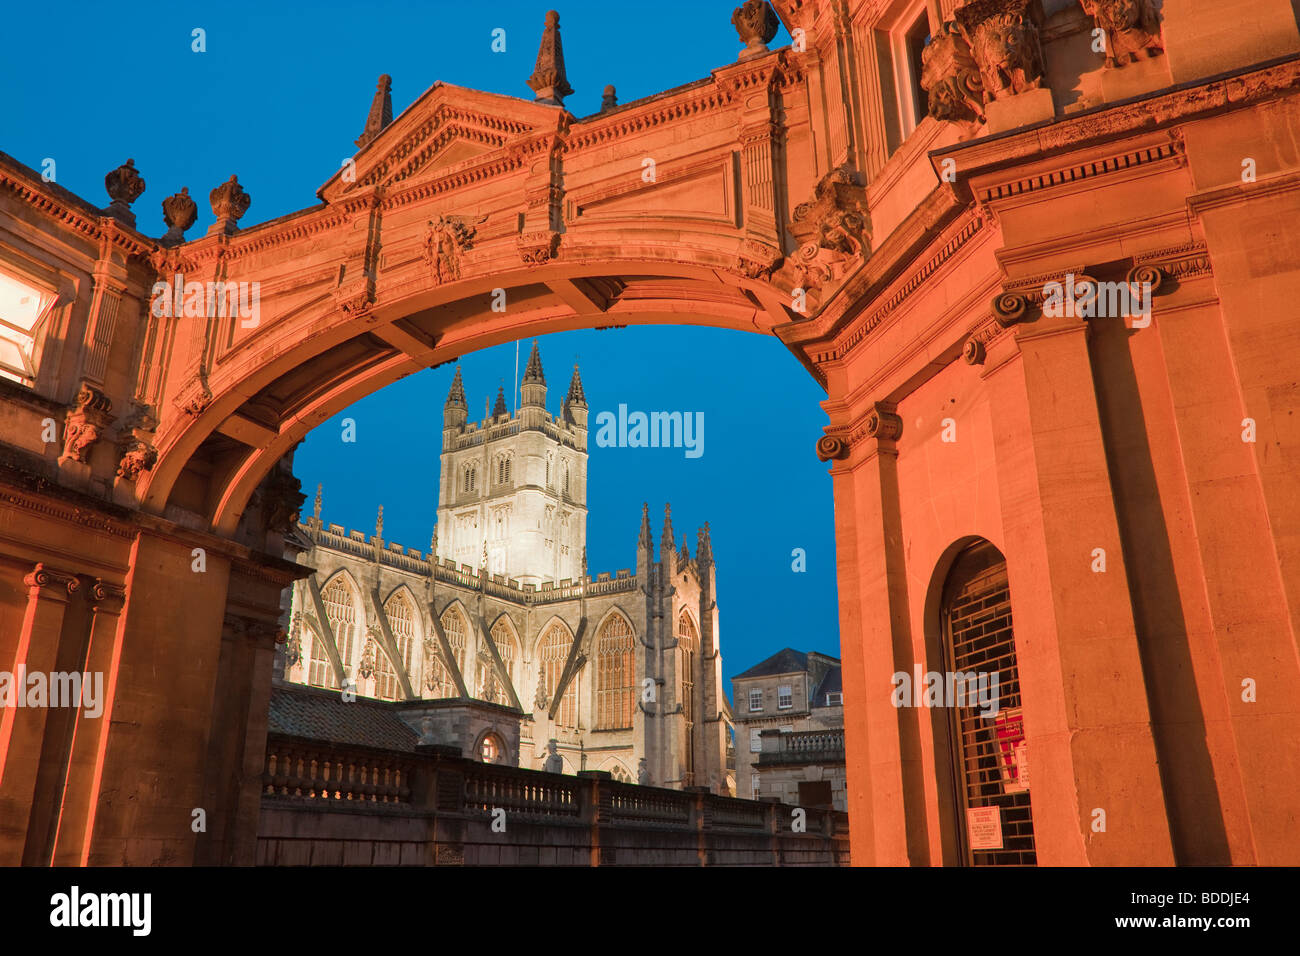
x=320 y=487
x=379 y=523
x=124 y=187
x=179 y=212
x=457 y=394
x=229 y=203
x=756 y=22
x=548 y=80
x=608 y=99
x=381 y=112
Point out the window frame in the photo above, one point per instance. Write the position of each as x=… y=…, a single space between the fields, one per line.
x=33 y=358
x=785 y=697
x=909 y=96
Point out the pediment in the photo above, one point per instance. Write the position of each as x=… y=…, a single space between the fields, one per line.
x=448 y=126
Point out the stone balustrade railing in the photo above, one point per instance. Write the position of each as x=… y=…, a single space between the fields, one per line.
x=805 y=746
x=333 y=803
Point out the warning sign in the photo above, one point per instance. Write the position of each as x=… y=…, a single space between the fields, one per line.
x=984 y=828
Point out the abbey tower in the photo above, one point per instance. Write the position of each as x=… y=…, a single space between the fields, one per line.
x=513 y=489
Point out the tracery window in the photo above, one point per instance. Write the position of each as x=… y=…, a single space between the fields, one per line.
x=341 y=612
x=554 y=652
x=689 y=643
x=401 y=617
x=321 y=672
x=615 y=675
x=470 y=475
x=454 y=626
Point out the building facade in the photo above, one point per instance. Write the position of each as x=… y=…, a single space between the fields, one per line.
x=789 y=719
x=496 y=641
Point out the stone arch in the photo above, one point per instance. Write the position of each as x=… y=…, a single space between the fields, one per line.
x=344 y=360
x=505 y=757
x=618 y=770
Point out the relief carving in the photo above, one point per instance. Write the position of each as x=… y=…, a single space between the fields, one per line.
x=951 y=77
x=832 y=229
x=1132 y=28
x=88 y=417
x=1003 y=39
x=446 y=239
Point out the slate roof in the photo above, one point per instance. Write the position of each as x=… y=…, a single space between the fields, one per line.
x=784 y=661
x=324 y=715
x=832 y=683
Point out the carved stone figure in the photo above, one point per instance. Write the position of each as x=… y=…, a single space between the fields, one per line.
x=446 y=239
x=643 y=773
x=426 y=731
x=831 y=228
x=540 y=701
x=88 y=417
x=951 y=78
x=367 y=667
x=1132 y=28
x=282 y=499
x=554 y=762
x=293 y=645
x=1004 y=41
x=137 y=456
x=756 y=24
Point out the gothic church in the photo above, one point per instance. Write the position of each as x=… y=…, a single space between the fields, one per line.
x=498 y=642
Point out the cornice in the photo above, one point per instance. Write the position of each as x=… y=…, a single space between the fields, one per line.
x=97 y=228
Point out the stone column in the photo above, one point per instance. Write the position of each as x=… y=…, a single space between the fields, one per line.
x=90 y=736
x=151 y=771
x=1087 y=721
x=22 y=728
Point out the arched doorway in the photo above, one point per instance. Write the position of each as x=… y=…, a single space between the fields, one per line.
x=995 y=824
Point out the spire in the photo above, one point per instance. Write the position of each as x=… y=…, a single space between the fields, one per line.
x=320 y=487
x=703 y=546
x=500 y=407
x=548 y=80
x=686 y=552
x=379 y=523
x=666 y=543
x=533 y=373
x=576 y=396
x=381 y=112
x=433 y=543
x=645 y=541
x=457 y=394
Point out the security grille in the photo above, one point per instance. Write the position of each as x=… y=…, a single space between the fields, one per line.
x=977 y=617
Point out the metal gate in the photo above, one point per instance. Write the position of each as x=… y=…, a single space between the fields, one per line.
x=990 y=761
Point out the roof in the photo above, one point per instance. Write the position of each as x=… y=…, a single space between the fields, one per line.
x=832 y=683
x=785 y=661
x=323 y=715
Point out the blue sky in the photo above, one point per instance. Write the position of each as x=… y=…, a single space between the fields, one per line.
x=278 y=98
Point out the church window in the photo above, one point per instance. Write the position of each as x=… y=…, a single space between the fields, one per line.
x=341 y=613
x=401 y=617
x=321 y=673
x=784 y=697
x=471 y=477
x=490 y=751
x=453 y=625
x=615 y=676
x=689 y=642
x=555 y=652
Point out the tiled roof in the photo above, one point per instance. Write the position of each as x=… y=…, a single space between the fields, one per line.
x=324 y=715
x=784 y=661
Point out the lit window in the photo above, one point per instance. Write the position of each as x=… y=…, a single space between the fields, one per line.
x=755 y=700
x=615 y=676
x=491 y=749
x=755 y=741
x=833 y=700
x=23 y=312
x=784 y=697
x=753 y=784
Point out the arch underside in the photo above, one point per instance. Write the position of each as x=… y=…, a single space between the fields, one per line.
x=270 y=391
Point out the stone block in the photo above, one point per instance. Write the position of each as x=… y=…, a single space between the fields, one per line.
x=1023 y=109
x=1207 y=37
